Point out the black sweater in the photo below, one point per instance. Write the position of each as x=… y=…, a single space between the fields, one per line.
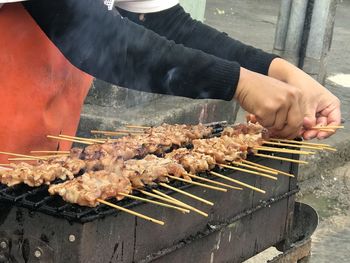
x=114 y=49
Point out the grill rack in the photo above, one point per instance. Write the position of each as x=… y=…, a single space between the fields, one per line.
x=38 y=199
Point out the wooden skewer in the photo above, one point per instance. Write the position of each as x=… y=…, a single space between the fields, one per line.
x=181 y=203
x=22 y=155
x=199 y=184
x=131 y=212
x=137 y=127
x=214 y=182
x=129 y=131
x=294 y=145
x=44 y=157
x=298 y=142
x=280 y=158
x=272 y=149
x=307 y=145
x=255 y=168
x=328 y=127
x=266 y=167
x=187 y=194
x=110 y=133
x=238 y=182
x=5 y=167
x=327 y=130
x=82 y=138
x=67 y=139
x=165 y=198
x=248 y=171
x=53 y=152
x=155 y=202
x=330 y=149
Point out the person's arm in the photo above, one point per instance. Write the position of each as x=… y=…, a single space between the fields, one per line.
x=114 y=49
x=321 y=106
x=111 y=48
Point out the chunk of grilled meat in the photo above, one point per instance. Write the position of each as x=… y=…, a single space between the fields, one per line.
x=152 y=169
x=34 y=175
x=193 y=162
x=86 y=189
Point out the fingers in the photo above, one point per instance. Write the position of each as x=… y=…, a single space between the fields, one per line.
x=281 y=118
x=311 y=134
x=331 y=115
x=294 y=123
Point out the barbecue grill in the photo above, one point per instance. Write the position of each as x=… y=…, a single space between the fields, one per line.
x=36 y=227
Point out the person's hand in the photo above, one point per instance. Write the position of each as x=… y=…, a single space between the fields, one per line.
x=322 y=108
x=276 y=105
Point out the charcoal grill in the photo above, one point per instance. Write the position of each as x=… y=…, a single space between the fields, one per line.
x=36 y=227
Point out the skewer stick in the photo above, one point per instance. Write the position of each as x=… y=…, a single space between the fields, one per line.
x=131 y=212
x=278 y=150
x=129 y=131
x=22 y=155
x=330 y=149
x=166 y=199
x=327 y=130
x=280 y=158
x=294 y=145
x=44 y=157
x=300 y=142
x=238 y=182
x=57 y=152
x=172 y=200
x=214 y=182
x=155 y=202
x=82 y=138
x=255 y=168
x=199 y=184
x=248 y=171
x=181 y=203
x=70 y=140
x=328 y=127
x=23 y=159
x=187 y=194
x=137 y=127
x=5 y=167
x=266 y=167
x=110 y=133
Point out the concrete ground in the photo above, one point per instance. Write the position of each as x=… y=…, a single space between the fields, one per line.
x=325 y=182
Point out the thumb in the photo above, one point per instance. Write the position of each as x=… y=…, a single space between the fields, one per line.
x=309 y=119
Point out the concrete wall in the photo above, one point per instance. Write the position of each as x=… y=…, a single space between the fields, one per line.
x=195 y=7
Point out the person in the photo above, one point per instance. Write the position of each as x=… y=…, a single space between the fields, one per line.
x=51 y=50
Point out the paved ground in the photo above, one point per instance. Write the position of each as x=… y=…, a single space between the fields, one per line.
x=325 y=183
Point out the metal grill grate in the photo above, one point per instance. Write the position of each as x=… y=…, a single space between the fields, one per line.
x=38 y=199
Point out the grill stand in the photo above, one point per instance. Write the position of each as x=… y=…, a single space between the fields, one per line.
x=240 y=225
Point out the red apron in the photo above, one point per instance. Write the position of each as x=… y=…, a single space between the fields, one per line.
x=41 y=93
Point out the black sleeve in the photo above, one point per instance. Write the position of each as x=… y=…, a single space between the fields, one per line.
x=114 y=49
x=176 y=24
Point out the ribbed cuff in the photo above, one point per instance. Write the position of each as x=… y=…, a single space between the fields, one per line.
x=222 y=79
x=262 y=62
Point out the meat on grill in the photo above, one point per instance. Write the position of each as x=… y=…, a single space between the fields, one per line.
x=86 y=189
x=157 y=140
x=193 y=162
x=114 y=155
x=34 y=175
x=151 y=170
